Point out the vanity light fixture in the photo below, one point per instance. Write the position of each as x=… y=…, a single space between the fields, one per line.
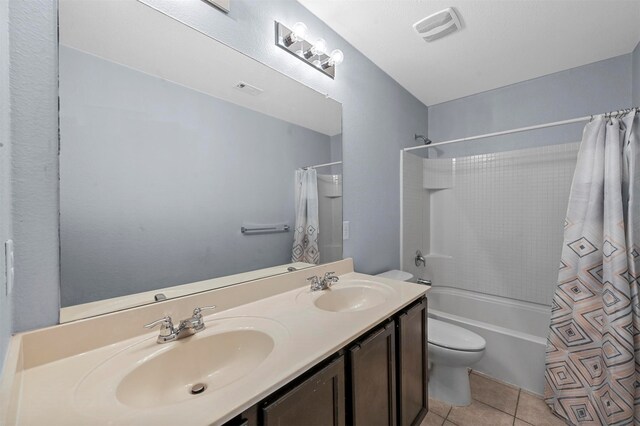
x=298 y=33
x=293 y=40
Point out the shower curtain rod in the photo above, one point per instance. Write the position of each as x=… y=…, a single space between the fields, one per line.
x=335 y=163
x=521 y=129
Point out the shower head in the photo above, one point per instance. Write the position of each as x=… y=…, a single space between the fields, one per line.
x=424 y=139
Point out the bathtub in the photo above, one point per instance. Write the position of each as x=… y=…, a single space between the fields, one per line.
x=515 y=331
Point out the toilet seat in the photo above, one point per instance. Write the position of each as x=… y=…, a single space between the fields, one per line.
x=452 y=337
x=397 y=275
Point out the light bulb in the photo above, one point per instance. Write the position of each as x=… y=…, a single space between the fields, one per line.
x=336 y=57
x=319 y=47
x=298 y=31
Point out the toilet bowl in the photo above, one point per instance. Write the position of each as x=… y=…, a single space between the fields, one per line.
x=395 y=274
x=452 y=350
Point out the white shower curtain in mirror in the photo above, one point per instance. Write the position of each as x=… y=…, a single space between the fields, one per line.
x=592 y=360
x=305 y=236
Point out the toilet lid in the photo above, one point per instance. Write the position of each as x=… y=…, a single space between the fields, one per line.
x=453 y=337
x=394 y=274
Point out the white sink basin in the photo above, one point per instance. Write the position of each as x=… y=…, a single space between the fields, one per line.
x=210 y=363
x=350 y=296
x=151 y=376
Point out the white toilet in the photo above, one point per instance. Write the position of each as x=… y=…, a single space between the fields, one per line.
x=452 y=350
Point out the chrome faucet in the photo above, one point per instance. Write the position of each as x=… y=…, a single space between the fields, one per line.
x=187 y=327
x=323 y=283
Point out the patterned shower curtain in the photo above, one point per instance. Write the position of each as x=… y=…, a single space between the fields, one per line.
x=305 y=235
x=593 y=351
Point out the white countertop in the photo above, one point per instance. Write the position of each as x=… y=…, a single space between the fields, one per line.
x=53 y=393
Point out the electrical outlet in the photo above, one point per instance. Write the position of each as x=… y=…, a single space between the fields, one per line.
x=9 y=268
x=345 y=230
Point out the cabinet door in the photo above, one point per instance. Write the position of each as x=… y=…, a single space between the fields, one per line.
x=249 y=417
x=318 y=401
x=373 y=379
x=412 y=365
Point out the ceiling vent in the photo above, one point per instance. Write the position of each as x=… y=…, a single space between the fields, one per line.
x=438 y=25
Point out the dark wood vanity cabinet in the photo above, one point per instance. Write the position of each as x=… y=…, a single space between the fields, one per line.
x=317 y=401
x=379 y=379
x=412 y=364
x=372 y=374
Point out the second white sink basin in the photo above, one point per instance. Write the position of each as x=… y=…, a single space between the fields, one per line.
x=350 y=296
x=350 y=299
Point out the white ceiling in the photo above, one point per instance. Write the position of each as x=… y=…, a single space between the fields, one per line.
x=502 y=41
x=131 y=33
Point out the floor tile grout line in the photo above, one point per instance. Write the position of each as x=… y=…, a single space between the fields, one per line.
x=500 y=384
x=447 y=420
x=494 y=408
x=497 y=409
x=486 y=405
x=515 y=415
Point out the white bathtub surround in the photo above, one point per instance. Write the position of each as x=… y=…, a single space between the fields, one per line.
x=515 y=333
x=592 y=369
x=305 y=235
x=452 y=350
x=501 y=221
x=490 y=223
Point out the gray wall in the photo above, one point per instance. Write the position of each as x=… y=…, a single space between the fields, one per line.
x=636 y=76
x=590 y=89
x=156 y=180
x=34 y=161
x=5 y=176
x=379 y=117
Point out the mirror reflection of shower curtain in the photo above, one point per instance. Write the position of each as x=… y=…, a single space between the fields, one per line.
x=305 y=236
x=330 y=217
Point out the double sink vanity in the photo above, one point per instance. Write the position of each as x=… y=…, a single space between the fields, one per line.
x=273 y=351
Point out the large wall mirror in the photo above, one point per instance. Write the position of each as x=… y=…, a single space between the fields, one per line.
x=181 y=161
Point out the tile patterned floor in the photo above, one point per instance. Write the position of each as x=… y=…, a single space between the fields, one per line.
x=494 y=404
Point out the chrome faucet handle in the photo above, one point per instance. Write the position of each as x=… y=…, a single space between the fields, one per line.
x=331 y=277
x=165 y=321
x=315 y=283
x=167 y=331
x=196 y=320
x=198 y=311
